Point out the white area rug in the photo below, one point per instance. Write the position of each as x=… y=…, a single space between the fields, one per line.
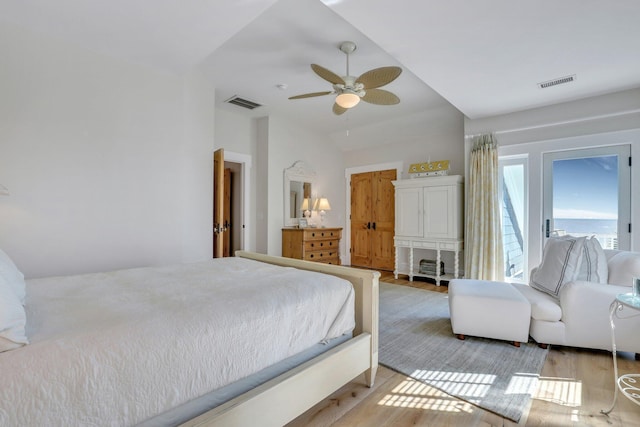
x=416 y=339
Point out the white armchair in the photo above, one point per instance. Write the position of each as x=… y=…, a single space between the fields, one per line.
x=580 y=318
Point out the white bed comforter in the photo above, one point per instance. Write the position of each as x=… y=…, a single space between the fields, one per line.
x=117 y=348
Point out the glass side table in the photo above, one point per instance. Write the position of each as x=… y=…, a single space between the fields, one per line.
x=629 y=384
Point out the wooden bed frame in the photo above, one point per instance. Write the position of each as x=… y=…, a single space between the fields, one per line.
x=287 y=396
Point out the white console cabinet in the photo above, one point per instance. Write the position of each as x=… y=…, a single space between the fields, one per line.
x=429 y=215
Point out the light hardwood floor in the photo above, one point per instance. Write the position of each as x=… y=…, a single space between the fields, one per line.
x=575 y=385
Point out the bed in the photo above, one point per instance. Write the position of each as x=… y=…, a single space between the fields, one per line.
x=169 y=369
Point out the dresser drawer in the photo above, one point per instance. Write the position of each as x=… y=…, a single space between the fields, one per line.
x=321 y=234
x=313 y=245
x=321 y=256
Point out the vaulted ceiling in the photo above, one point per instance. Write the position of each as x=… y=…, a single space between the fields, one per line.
x=481 y=58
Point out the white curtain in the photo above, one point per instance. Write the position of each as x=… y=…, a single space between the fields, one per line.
x=483 y=236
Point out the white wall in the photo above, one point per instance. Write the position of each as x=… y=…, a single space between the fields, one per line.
x=597 y=121
x=288 y=143
x=235 y=132
x=108 y=162
x=442 y=139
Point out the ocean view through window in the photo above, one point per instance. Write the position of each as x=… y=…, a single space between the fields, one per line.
x=605 y=230
x=585 y=198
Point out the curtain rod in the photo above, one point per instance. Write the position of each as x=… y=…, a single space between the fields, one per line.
x=559 y=123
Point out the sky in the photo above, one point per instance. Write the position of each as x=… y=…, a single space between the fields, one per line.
x=586 y=188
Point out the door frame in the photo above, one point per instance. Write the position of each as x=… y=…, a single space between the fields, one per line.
x=398 y=166
x=244 y=160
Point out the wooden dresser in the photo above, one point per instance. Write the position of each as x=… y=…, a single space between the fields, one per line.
x=312 y=244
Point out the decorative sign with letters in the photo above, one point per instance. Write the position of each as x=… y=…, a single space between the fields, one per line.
x=439 y=167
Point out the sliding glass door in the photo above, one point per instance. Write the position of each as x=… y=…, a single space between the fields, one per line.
x=587 y=193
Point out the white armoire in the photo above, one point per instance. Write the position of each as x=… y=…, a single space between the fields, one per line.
x=429 y=217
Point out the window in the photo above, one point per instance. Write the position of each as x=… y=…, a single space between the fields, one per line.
x=513 y=178
x=587 y=193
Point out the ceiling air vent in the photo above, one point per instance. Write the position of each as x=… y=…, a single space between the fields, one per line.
x=241 y=102
x=558 y=81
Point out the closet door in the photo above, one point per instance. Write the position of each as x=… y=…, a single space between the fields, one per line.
x=373 y=219
x=361 y=195
x=382 y=247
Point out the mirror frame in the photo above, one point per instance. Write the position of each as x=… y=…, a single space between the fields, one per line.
x=299 y=171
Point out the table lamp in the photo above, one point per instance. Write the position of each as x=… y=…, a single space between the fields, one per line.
x=322 y=205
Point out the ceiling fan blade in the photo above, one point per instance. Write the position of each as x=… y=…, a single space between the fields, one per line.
x=337 y=110
x=379 y=77
x=329 y=76
x=380 y=97
x=310 y=95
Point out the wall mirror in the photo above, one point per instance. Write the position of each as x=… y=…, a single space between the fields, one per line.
x=299 y=180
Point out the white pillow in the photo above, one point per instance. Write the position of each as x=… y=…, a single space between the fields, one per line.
x=13 y=319
x=13 y=276
x=594 y=262
x=560 y=265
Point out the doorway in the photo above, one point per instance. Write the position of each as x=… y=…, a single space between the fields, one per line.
x=231 y=194
x=587 y=192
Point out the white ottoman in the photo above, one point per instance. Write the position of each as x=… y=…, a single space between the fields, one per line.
x=488 y=309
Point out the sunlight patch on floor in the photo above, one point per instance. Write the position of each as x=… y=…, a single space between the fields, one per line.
x=414 y=394
x=562 y=391
x=522 y=383
x=471 y=386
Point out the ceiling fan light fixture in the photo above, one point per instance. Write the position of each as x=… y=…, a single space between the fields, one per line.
x=347 y=99
x=350 y=89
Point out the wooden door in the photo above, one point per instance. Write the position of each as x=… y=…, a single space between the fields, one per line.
x=373 y=219
x=218 y=203
x=361 y=195
x=226 y=223
x=382 y=247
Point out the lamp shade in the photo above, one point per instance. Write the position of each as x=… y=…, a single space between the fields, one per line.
x=347 y=99
x=322 y=204
x=305 y=204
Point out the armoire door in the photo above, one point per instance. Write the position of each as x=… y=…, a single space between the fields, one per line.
x=373 y=219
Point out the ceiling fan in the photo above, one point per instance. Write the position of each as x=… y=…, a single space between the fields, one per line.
x=351 y=90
